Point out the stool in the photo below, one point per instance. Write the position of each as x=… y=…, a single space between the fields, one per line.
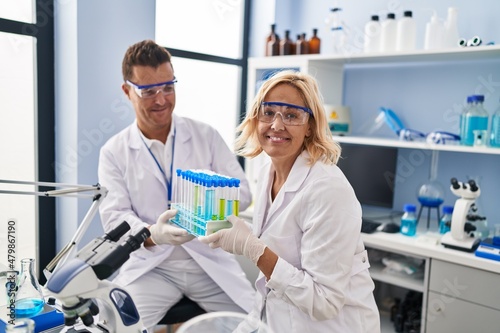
x=181 y=312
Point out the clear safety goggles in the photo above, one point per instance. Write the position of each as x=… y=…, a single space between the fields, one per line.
x=436 y=137
x=291 y=115
x=151 y=90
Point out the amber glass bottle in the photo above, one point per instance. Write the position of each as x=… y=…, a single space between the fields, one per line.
x=314 y=43
x=286 y=44
x=302 y=45
x=272 y=42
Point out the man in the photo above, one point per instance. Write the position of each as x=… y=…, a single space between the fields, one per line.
x=136 y=166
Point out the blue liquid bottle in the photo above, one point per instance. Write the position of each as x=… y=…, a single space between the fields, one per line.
x=409 y=220
x=445 y=222
x=474 y=118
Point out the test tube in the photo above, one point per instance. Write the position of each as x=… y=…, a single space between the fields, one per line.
x=209 y=198
x=222 y=198
x=230 y=197
x=236 y=200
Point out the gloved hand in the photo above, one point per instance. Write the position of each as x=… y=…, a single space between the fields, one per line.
x=237 y=240
x=163 y=232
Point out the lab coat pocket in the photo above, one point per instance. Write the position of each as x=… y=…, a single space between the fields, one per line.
x=286 y=247
x=360 y=263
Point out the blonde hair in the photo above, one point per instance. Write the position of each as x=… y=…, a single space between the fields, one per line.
x=320 y=144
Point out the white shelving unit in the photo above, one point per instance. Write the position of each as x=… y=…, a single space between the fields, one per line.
x=329 y=71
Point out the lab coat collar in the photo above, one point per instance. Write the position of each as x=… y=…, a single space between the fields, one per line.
x=293 y=183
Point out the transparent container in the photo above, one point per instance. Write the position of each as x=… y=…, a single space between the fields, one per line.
x=409 y=220
x=22 y=325
x=445 y=222
x=224 y=322
x=495 y=129
x=29 y=297
x=474 y=118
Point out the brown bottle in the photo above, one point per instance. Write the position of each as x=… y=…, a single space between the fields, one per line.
x=314 y=43
x=272 y=42
x=286 y=44
x=302 y=45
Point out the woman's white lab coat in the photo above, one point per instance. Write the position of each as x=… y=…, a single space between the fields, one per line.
x=321 y=281
x=138 y=194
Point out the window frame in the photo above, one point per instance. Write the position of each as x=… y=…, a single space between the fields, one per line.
x=43 y=31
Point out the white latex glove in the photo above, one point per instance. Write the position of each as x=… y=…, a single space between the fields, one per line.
x=164 y=232
x=238 y=239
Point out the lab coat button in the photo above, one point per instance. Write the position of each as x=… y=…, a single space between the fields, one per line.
x=363 y=260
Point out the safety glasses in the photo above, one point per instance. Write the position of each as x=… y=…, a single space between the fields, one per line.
x=151 y=90
x=291 y=115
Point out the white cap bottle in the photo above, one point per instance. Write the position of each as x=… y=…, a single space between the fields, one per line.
x=434 y=31
x=451 y=35
x=373 y=33
x=389 y=30
x=406 y=35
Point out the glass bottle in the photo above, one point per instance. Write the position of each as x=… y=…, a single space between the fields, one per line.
x=314 y=43
x=274 y=40
x=445 y=222
x=495 y=129
x=409 y=220
x=29 y=297
x=286 y=44
x=475 y=118
x=302 y=45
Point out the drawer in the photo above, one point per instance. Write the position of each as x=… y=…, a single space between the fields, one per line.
x=448 y=314
x=466 y=283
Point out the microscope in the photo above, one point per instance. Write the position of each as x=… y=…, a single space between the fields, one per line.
x=462 y=234
x=80 y=285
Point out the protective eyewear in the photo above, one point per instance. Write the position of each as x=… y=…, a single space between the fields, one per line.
x=151 y=90
x=442 y=138
x=291 y=115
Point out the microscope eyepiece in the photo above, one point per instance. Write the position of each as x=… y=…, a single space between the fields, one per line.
x=115 y=234
x=455 y=184
x=134 y=241
x=473 y=186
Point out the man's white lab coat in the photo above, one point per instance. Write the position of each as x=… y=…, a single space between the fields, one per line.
x=138 y=194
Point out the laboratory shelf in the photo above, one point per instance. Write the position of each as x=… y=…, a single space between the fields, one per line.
x=378 y=273
x=371 y=141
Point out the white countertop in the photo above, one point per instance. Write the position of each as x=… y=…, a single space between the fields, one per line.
x=418 y=246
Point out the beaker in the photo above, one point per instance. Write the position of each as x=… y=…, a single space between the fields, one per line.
x=29 y=297
x=23 y=325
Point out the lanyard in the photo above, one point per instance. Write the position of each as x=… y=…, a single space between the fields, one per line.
x=167 y=181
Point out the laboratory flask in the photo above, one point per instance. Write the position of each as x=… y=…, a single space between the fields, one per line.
x=224 y=321
x=22 y=325
x=29 y=297
x=495 y=129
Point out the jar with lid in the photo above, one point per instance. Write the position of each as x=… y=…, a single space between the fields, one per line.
x=474 y=118
x=445 y=222
x=409 y=220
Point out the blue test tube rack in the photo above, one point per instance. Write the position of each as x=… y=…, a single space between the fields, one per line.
x=204 y=200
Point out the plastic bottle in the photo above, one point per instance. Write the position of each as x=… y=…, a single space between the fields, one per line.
x=451 y=35
x=495 y=129
x=389 y=31
x=373 y=33
x=314 y=43
x=272 y=42
x=445 y=222
x=286 y=44
x=434 y=31
x=409 y=220
x=406 y=32
x=474 y=118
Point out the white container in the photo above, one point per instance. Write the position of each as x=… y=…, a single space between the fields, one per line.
x=373 y=34
x=434 y=31
x=451 y=35
x=389 y=30
x=406 y=33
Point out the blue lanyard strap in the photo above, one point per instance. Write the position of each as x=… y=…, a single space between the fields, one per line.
x=167 y=181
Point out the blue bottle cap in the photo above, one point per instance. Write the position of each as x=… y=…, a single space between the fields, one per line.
x=410 y=208
x=447 y=209
x=479 y=98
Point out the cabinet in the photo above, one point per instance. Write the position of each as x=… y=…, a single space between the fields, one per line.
x=462 y=299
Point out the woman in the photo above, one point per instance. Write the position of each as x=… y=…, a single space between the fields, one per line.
x=306 y=237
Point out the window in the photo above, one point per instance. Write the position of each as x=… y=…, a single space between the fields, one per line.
x=209 y=61
x=27 y=126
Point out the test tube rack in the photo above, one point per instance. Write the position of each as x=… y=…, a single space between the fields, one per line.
x=203 y=200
